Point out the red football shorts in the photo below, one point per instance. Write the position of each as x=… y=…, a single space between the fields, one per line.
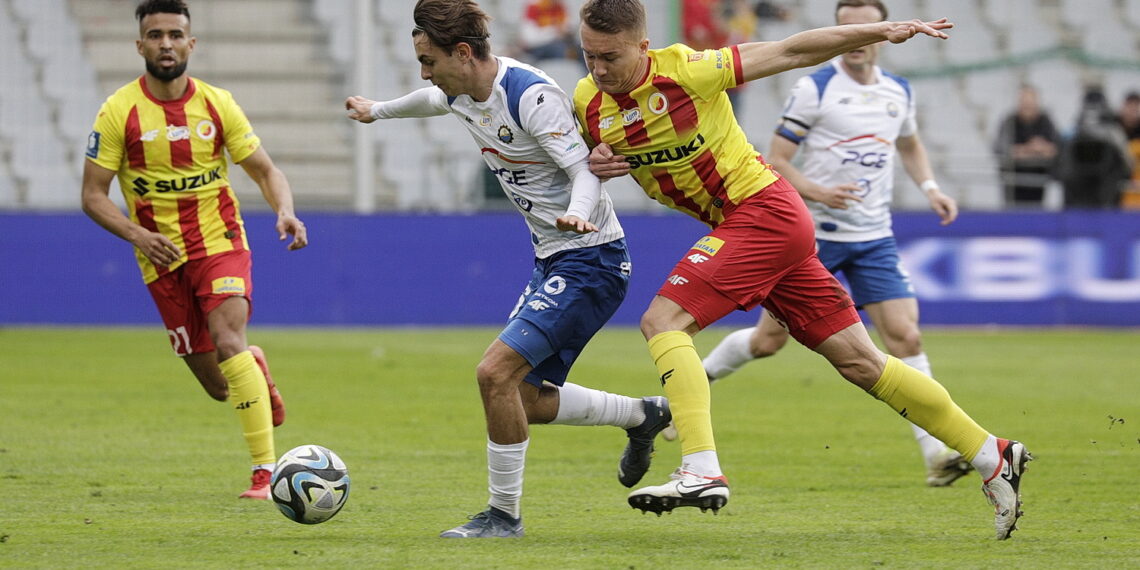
x=763 y=254
x=186 y=295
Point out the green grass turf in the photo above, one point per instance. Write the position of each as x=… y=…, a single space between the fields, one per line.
x=112 y=456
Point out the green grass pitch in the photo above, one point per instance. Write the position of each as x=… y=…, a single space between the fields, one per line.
x=112 y=456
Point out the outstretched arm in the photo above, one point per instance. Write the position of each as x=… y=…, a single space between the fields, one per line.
x=805 y=49
x=425 y=102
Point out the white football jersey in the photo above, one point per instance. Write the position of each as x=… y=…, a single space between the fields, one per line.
x=527 y=133
x=847 y=132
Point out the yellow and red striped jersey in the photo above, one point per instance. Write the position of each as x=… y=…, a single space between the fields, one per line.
x=172 y=168
x=678 y=132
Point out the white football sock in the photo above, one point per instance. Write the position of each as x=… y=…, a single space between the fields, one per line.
x=581 y=406
x=505 y=465
x=930 y=445
x=988 y=459
x=703 y=463
x=732 y=353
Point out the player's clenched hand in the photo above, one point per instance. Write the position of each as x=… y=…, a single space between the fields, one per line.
x=574 y=224
x=943 y=205
x=359 y=108
x=290 y=225
x=605 y=164
x=157 y=248
x=836 y=196
x=900 y=32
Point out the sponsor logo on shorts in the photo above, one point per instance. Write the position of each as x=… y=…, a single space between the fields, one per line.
x=228 y=286
x=555 y=285
x=709 y=245
x=537 y=305
x=677 y=280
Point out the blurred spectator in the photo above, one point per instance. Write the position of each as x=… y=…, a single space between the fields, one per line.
x=545 y=32
x=766 y=10
x=1095 y=164
x=1026 y=145
x=1130 y=122
x=702 y=24
x=740 y=27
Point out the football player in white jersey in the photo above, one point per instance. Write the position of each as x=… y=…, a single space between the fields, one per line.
x=847 y=120
x=525 y=128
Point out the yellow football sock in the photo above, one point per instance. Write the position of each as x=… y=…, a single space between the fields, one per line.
x=923 y=401
x=687 y=388
x=249 y=396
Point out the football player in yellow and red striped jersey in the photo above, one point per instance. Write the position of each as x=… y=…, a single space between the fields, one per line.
x=166 y=135
x=662 y=116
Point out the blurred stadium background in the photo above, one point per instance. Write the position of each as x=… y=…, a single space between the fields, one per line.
x=412 y=191
x=292 y=62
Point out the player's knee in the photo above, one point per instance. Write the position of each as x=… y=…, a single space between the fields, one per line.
x=490 y=376
x=762 y=345
x=228 y=344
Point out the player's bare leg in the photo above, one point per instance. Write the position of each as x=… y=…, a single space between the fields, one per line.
x=500 y=373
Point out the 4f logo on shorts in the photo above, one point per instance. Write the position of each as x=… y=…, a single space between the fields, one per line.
x=677 y=279
x=697 y=258
x=537 y=305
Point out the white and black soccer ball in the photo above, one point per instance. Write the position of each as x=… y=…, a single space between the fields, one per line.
x=310 y=484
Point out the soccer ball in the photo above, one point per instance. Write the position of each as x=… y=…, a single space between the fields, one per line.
x=310 y=484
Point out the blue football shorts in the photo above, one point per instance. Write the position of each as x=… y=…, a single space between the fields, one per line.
x=571 y=294
x=872 y=269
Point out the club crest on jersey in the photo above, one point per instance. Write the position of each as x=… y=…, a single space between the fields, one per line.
x=658 y=103
x=892 y=109
x=709 y=245
x=206 y=130
x=630 y=116
x=506 y=135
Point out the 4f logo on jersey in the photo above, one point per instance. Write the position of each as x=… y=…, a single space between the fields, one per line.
x=709 y=245
x=697 y=258
x=677 y=280
x=506 y=135
x=606 y=122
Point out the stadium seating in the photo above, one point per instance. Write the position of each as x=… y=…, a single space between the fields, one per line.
x=289 y=63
